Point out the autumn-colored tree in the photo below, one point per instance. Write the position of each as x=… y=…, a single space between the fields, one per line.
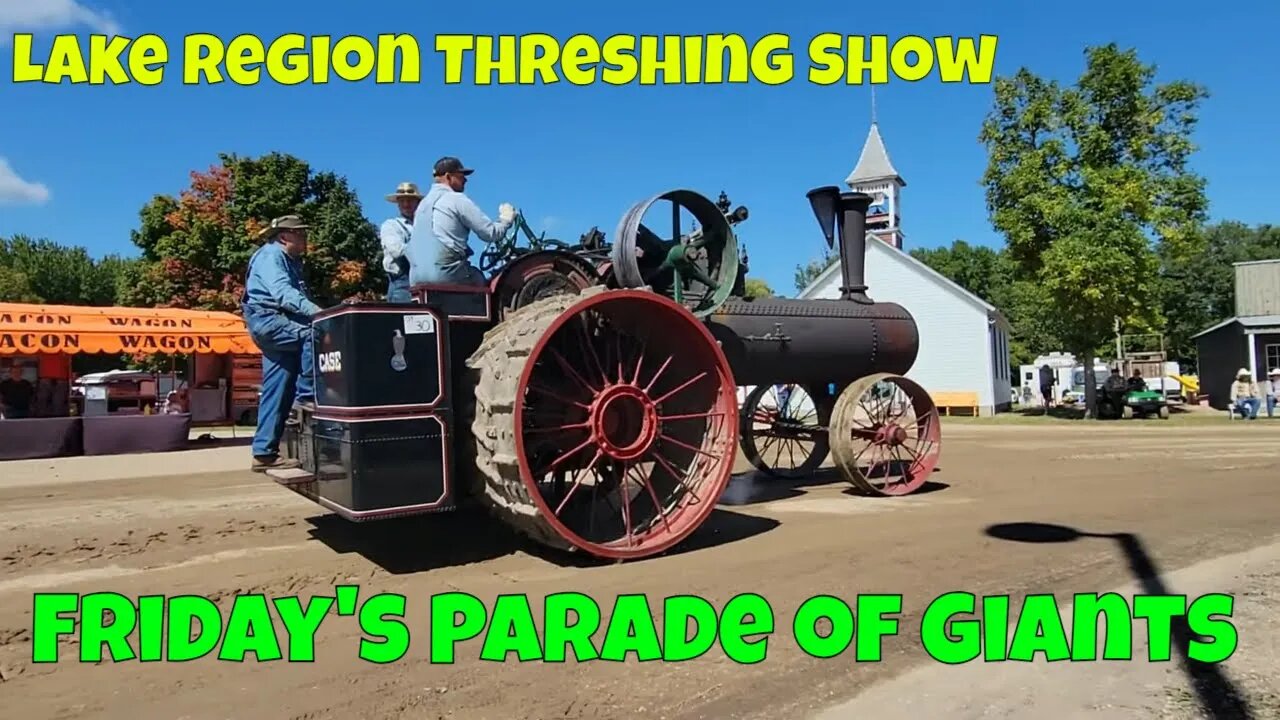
x=196 y=247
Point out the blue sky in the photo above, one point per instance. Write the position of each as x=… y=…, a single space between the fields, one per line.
x=78 y=162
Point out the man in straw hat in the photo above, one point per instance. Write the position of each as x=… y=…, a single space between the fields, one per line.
x=395 y=234
x=1271 y=390
x=442 y=225
x=1244 y=394
x=278 y=314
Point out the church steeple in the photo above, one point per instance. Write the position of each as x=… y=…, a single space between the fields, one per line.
x=876 y=176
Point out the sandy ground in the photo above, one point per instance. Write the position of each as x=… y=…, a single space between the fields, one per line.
x=1192 y=499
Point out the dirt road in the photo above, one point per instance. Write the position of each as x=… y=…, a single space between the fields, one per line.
x=1185 y=495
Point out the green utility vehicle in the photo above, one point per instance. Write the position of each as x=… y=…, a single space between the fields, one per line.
x=1118 y=397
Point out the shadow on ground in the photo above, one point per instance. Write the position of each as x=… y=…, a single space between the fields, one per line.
x=756 y=487
x=208 y=440
x=1219 y=697
x=928 y=487
x=470 y=535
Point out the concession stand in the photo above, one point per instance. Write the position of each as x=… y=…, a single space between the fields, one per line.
x=121 y=411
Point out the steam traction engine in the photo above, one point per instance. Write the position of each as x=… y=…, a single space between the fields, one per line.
x=588 y=395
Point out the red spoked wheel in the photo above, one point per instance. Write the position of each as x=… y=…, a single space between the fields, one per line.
x=540 y=275
x=784 y=429
x=606 y=422
x=885 y=435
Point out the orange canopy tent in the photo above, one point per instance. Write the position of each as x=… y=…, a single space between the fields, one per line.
x=71 y=329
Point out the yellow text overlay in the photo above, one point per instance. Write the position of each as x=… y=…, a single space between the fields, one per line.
x=294 y=59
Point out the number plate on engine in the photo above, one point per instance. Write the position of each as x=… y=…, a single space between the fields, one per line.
x=419 y=324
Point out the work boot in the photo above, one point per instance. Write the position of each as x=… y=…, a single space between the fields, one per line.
x=273 y=462
x=299 y=407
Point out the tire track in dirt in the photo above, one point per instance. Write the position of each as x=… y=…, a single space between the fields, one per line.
x=130 y=543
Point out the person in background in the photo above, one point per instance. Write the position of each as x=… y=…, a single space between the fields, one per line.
x=442 y=224
x=1046 y=386
x=784 y=401
x=16 y=393
x=1271 y=389
x=278 y=314
x=1244 y=395
x=1135 y=382
x=173 y=404
x=395 y=234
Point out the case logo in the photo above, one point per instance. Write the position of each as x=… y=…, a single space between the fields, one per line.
x=331 y=361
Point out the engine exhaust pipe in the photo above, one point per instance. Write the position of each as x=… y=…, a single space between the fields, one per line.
x=852 y=206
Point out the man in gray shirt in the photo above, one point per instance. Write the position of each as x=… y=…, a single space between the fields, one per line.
x=395 y=234
x=439 y=251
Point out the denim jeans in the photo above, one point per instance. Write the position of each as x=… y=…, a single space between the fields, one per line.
x=1248 y=407
x=462 y=273
x=437 y=264
x=1271 y=405
x=398 y=289
x=287 y=374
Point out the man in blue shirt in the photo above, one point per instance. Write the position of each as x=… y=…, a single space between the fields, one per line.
x=395 y=234
x=278 y=315
x=441 y=225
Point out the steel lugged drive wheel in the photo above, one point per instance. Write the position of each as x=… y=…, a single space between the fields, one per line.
x=885 y=435
x=784 y=434
x=605 y=422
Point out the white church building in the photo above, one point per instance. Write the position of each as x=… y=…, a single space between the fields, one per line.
x=964 y=341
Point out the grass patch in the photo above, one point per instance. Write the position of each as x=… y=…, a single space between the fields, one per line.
x=1178 y=416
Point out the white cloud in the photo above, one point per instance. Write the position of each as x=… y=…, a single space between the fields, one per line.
x=14 y=190
x=30 y=15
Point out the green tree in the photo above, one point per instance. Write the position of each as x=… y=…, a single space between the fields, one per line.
x=980 y=270
x=40 y=270
x=991 y=275
x=807 y=273
x=15 y=287
x=196 y=247
x=1198 y=291
x=757 y=288
x=1084 y=182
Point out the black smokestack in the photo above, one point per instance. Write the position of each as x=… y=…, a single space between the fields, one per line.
x=853 y=245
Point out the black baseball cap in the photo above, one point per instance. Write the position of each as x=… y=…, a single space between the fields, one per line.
x=447 y=165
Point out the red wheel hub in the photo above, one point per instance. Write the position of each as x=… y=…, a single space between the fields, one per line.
x=891 y=435
x=624 y=422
